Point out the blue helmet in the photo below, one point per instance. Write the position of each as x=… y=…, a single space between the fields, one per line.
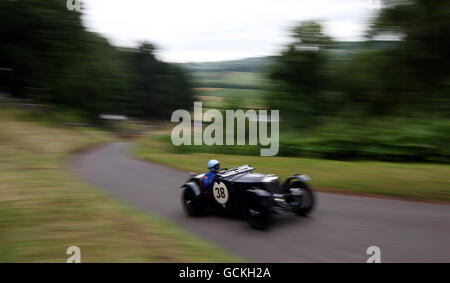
x=212 y=163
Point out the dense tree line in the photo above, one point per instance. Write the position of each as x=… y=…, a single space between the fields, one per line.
x=46 y=54
x=408 y=79
x=389 y=103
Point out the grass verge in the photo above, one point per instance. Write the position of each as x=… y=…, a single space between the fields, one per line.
x=44 y=209
x=415 y=181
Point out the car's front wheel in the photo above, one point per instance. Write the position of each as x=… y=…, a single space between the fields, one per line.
x=303 y=198
x=192 y=204
x=258 y=213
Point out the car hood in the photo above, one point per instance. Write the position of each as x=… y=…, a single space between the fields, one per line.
x=249 y=177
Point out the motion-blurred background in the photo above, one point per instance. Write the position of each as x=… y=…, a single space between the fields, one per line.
x=367 y=116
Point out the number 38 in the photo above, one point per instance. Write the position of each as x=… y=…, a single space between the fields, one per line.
x=220 y=193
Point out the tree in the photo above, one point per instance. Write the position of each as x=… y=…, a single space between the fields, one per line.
x=158 y=88
x=300 y=76
x=53 y=59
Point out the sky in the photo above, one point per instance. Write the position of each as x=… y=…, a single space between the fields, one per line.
x=216 y=30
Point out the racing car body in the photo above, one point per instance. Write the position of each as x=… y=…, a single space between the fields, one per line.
x=253 y=195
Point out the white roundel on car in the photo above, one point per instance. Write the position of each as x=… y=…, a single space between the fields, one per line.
x=220 y=193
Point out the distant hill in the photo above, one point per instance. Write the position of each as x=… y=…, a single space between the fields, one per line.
x=250 y=73
x=260 y=64
x=256 y=64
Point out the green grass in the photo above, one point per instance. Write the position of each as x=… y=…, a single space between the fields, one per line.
x=233 y=93
x=44 y=209
x=230 y=98
x=241 y=80
x=230 y=90
x=413 y=181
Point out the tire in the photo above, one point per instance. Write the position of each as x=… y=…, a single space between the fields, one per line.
x=192 y=204
x=306 y=200
x=258 y=213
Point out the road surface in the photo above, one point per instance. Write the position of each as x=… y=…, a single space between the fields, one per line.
x=340 y=229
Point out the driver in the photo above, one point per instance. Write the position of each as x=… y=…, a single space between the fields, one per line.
x=208 y=181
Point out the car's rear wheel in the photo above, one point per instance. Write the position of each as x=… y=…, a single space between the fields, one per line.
x=258 y=213
x=192 y=204
x=304 y=198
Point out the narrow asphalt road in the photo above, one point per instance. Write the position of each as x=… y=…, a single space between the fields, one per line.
x=340 y=229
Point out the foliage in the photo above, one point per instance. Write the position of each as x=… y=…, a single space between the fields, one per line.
x=300 y=73
x=314 y=86
x=46 y=54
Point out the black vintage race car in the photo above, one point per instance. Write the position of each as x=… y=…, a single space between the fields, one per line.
x=254 y=196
